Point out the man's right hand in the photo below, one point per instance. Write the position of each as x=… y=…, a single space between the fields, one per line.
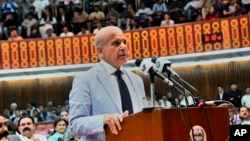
x=114 y=120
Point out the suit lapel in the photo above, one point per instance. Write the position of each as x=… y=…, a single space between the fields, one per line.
x=104 y=78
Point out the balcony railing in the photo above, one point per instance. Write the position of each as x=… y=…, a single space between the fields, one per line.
x=206 y=36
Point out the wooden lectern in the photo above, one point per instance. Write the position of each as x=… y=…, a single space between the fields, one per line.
x=174 y=124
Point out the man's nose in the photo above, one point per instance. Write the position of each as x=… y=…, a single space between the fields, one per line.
x=5 y=128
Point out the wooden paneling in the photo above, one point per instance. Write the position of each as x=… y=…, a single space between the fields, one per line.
x=206 y=77
x=39 y=91
x=203 y=77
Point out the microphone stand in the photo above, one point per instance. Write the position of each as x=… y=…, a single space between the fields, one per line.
x=152 y=90
x=172 y=90
x=192 y=87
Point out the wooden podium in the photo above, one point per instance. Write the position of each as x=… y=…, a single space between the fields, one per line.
x=174 y=124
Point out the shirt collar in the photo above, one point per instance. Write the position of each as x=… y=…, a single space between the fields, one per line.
x=110 y=69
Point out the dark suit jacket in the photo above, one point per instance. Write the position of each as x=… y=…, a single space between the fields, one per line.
x=224 y=96
x=67 y=19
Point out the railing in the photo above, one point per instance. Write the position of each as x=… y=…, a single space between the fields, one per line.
x=187 y=38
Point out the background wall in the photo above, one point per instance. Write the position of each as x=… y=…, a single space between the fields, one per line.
x=204 y=77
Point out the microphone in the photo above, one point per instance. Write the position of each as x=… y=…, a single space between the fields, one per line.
x=211 y=103
x=147 y=67
x=163 y=65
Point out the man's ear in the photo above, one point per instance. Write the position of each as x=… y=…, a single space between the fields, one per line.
x=100 y=51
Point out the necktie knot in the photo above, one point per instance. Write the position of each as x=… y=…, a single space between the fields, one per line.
x=118 y=73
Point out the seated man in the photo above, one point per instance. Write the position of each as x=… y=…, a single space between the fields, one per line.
x=11 y=23
x=143 y=15
x=26 y=128
x=244 y=115
x=192 y=8
x=4 y=134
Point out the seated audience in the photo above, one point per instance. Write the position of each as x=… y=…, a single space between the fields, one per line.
x=34 y=33
x=47 y=20
x=244 y=115
x=26 y=128
x=64 y=115
x=235 y=95
x=96 y=16
x=4 y=133
x=60 y=132
x=80 y=19
x=245 y=101
x=28 y=23
x=222 y=95
x=186 y=100
x=14 y=36
x=126 y=16
x=133 y=25
x=98 y=27
x=239 y=9
x=112 y=15
x=167 y=21
x=144 y=15
x=36 y=116
x=83 y=31
x=12 y=128
x=51 y=116
x=11 y=23
x=212 y=14
x=205 y=5
x=40 y=6
x=49 y=32
x=225 y=9
x=192 y=8
x=63 y=19
x=164 y=102
x=66 y=32
x=175 y=10
x=159 y=8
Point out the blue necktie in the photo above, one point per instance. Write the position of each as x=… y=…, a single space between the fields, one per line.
x=125 y=96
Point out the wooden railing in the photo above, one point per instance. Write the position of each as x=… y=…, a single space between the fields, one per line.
x=187 y=38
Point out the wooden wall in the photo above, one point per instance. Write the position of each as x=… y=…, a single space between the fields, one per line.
x=204 y=77
x=39 y=90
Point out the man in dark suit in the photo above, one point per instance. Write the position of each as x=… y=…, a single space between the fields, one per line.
x=98 y=95
x=235 y=95
x=4 y=134
x=63 y=19
x=222 y=95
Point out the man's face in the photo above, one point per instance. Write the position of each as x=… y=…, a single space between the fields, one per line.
x=115 y=50
x=26 y=127
x=244 y=113
x=247 y=91
x=220 y=89
x=233 y=87
x=3 y=128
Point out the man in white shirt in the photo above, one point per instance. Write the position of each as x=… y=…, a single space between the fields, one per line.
x=245 y=101
x=66 y=32
x=28 y=23
x=191 y=8
x=26 y=128
x=164 y=102
x=183 y=101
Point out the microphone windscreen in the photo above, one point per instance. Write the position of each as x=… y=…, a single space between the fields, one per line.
x=153 y=59
x=138 y=62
